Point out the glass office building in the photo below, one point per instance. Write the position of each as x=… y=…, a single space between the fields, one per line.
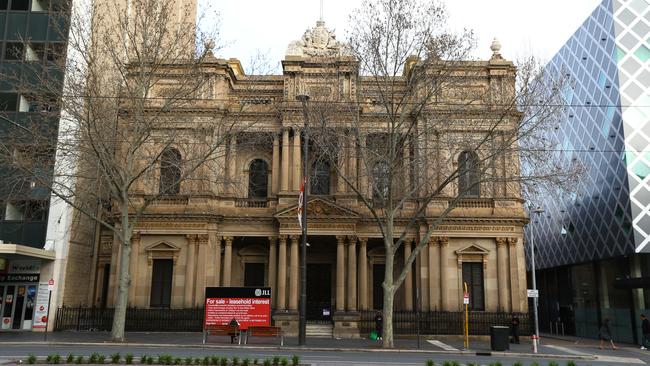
x=32 y=44
x=591 y=243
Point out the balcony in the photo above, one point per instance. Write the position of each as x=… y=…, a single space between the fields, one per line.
x=474 y=203
x=252 y=202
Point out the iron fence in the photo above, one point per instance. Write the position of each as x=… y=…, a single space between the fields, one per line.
x=445 y=322
x=191 y=320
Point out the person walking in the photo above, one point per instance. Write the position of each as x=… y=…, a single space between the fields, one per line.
x=645 y=330
x=605 y=334
x=379 y=324
x=514 y=329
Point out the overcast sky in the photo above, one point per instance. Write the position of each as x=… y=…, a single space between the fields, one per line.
x=524 y=27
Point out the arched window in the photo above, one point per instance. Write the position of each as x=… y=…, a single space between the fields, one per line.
x=468 y=174
x=319 y=183
x=170 y=171
x=258 y=179
x=380 y=181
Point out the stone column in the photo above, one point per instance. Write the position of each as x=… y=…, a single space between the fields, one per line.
x=202 y=247
x=502 y=274
x=434 y=274
x=282 y=273
x=227 y=261
x=284 y=174
x=515 y=283
x=188 y=300
x=340 y=273
x=424 y=278
x=133 y=267
x=294 y=277
x=408 y=281
x=352 y=273
x=275 y=165
x=273 y=261
x=296 y=161
x=217 y=259
x=232 y=164
x=445 y=268
x=363 y=274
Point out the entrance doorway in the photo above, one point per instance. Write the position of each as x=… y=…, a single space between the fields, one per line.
x=377 y=289
x=319 y=292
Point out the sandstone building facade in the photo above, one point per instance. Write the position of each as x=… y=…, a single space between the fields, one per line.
x=246 y=233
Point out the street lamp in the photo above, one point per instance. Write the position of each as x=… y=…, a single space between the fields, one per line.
x=536 y=211
x=303 y=97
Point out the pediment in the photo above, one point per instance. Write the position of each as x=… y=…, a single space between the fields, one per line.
x=473 y=249
x=318 y=208
x=162 y=247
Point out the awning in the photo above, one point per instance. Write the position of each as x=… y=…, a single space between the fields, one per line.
x=12 y=250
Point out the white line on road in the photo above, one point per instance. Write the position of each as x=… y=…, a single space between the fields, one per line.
x=610 y=359
x=566 y=350
x=444 y=346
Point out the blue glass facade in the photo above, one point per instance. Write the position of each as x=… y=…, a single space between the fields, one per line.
x=587 y=240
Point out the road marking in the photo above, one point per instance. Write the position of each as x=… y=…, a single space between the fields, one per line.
x=619 y=359
x=565 y=349
x=444 y=346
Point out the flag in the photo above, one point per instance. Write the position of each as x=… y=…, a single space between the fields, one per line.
x=300 y=201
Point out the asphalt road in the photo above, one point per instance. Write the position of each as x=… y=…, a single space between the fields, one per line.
x=12 y=352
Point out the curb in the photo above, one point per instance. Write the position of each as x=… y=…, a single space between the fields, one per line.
x=321 y=349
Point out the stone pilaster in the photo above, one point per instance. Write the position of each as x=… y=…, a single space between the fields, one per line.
x=275 y=165
x=232 y=164
x=340 y=273
x=363 y=274
x=273 y=263
x=190 y=271
x=294 y=276
x=502 y=274
x=296 y=161
x=284 y=174
x=133 y=268
x=282 y=273
x=517 y=285
x=408 y=281
x=352 y=274
x=434 y=274
x=227 y=261
x=424 y=278
x=217 y=258
x=445 y=268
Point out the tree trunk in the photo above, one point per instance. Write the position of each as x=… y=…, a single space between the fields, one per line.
x=119 y=316
x=388 y=300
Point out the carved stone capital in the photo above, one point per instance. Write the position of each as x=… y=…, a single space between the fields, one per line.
x=501 y=241
x=512 y=241
x=340 y=239
x=443 y=241
x=228 y=240
x=352 y=239
x=363 y=241
x=135 y=236
x=203 y=239
x=273 y=240
x=295 y=239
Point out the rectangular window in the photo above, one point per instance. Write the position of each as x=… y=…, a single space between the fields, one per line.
x=14 y=51
x=254 y=274
x=161 y=283
x=19 y=4
x=3 y=6
x=8 y=102
x=473 y=276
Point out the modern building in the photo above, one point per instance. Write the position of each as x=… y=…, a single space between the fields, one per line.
x=246 y=233
x=32 y=45
x=591 y=244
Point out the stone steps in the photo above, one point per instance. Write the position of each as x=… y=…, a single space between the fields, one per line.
x=320 y=330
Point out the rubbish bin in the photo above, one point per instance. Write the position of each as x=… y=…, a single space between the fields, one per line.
x=499 y=338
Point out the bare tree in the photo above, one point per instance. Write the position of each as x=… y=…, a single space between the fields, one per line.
x=141 y=119
x=430 y=128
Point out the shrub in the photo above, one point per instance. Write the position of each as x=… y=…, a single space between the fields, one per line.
x=235 y=361
x=178 y=361
x=101 y=359
x=149 y=360
x=430 y=363
x=79 y=359
x=498 y=363
x=214 y=360
x=534 y=364
x=56 y=358
x=48 y=359
x=276 y=360
x=295 y=360
x=188 y=360
x=223 y=361
x=267 y=362
x=69 y=359
x=143 y=359
x=246 y=362
x=570 y=363
x=256 y=361
x=31 y=359
x=517 y=364
x=93 y=357
x=128 y=358
x=552 y=363
x=205 y=361
x=198 y=361
x=115 y=358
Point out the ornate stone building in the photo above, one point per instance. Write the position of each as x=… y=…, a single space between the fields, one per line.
x=249 y=235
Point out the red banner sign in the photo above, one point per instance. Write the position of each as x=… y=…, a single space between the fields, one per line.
x=250 y=306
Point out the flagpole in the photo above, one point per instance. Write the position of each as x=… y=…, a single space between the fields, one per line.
x=302 y=321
